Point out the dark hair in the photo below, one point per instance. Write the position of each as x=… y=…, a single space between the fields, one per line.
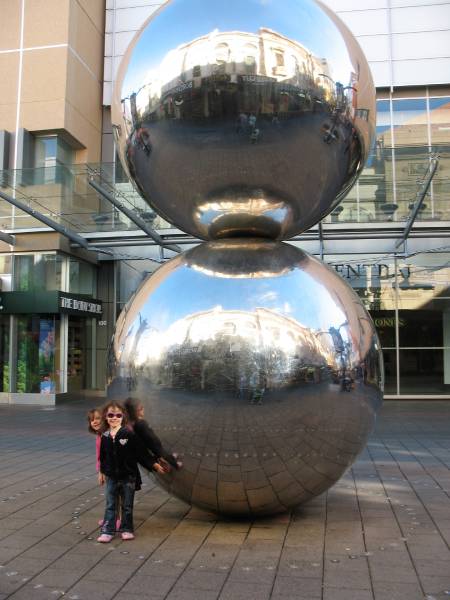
x=112 y=404
x=131 y=406
x=90 y=416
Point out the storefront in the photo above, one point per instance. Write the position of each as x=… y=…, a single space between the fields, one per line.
x=47 y=336
x=54 y=332
x=409 y=301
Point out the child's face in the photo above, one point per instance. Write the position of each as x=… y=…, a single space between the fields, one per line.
x=96 y=421
x=114 y=416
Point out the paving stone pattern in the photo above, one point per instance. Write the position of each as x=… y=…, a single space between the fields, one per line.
x=382 y=532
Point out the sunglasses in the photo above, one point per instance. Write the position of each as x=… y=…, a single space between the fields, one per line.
x=112 y=415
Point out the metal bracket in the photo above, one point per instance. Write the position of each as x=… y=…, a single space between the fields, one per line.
x=421 y=193
x=136 y=219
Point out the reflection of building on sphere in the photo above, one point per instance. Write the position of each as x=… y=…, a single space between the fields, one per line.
x=245 y=109
x=243 y=374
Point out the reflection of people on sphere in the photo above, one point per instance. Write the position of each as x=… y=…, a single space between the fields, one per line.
x=143 y=139
x=258 y=383
x=254 y=136
x=120 y=452
x=252 y=121
x=242 y=123
x=148 y=437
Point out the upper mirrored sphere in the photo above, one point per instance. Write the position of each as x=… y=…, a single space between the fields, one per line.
x=245 y=117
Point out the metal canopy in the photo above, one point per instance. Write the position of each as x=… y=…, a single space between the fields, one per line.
x=68 y=233
x=136 y=219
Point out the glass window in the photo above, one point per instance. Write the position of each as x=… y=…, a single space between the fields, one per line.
x=5 y=272
x=35 y=272
x=4 y=353
x=6 y=212
x=383 y=126
x=81 y=277
x=51 y=150
x=390 y=371
x=440 y=137
x=38 y=369
x=422 y=372
x=410 y=122
x=384 y=321
x=440 y=120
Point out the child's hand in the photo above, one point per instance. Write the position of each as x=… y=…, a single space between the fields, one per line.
x=159 y=469
x=165 y=465
x=101 y=479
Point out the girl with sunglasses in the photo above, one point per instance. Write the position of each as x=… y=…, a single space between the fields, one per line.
x=120 y=452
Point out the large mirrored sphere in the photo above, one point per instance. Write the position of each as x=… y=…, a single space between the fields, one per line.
x=256 y=364
x=243 y=117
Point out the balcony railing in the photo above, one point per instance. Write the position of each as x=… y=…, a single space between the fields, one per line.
x=385 y=193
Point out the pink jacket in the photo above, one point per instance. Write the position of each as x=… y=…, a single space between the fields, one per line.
x=98 y=440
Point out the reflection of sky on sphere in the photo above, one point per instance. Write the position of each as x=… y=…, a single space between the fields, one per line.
x=316 y=309
x=180 y=22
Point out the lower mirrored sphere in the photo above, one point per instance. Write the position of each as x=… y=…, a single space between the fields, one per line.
x=256 y=364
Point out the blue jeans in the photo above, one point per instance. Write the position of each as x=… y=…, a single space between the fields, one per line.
x=119 y=493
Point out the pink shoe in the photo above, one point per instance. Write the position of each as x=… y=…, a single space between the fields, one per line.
x=104 y=538
x=127 y=535
x=118 y=522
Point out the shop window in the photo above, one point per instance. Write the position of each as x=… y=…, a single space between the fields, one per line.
x=34 y=272
x=422 y=372
x=390 y=371
x=5 y=272
x=37 y=369
x=4 y=353
x=385 y=324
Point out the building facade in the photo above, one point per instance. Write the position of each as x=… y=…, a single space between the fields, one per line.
x=60 y=295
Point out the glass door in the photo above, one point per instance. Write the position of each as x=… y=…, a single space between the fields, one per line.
x=79 y=354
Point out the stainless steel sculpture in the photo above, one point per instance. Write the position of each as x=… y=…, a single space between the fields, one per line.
x=257 y=364
x=247 y=118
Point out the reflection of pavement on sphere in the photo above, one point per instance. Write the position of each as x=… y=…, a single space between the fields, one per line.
x=291 y=160
x=240 y=457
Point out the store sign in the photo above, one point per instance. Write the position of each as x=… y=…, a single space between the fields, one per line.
x=49 y=302
x=256 y=79
x=379 y=270
x=76 y=305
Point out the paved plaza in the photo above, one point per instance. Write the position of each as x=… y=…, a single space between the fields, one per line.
x=382 y=532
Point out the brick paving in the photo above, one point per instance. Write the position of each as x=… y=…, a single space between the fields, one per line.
x=382 y=532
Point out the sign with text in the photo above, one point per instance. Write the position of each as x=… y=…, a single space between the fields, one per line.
x=79 y=305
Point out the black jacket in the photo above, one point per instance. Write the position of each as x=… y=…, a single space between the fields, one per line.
x=119 y=456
